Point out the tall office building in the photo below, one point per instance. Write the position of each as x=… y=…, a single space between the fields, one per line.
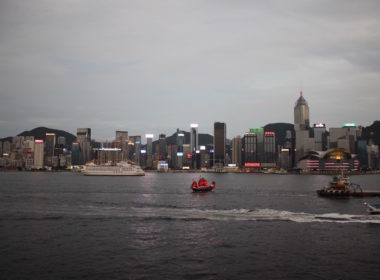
x=219 y=144
x=301 y=125
x=49 y=144
x=194 y=137
x=137 y=157
x=38 y=154
x=162 y=148
x=249 y=148
x=122 y=138
x=270 y=147
x=84 y=141
x=320 y=136
x=236 y=150
x=259 y=140
x=149 y=150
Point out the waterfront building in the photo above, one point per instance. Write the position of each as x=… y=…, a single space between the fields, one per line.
x=1 y=149
x=84 y=141
x=180 y=141
x=38 y=160
x=236 y=151
x=219 y=144
x=173 y=156
x=194 y=137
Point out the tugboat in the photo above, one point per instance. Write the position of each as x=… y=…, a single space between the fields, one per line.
x=340 y=186
x=202 y=185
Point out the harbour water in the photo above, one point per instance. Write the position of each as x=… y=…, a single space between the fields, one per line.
x=252 y=226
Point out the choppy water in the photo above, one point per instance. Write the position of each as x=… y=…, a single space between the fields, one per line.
x=65 y=225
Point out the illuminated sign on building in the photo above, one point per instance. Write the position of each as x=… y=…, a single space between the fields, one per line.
x=350 y=125
x=211 y=151
x=143 y=151
x=197 y=151
x=41 y=141
x=138 y=142
x=284 y=150
x=179 y=154
x=181 y=134
x=319 y=125
x=189 y=156
x=202 y=148
x=110 y=149
x=269 y=133
x=252 y=164
x=256 y=130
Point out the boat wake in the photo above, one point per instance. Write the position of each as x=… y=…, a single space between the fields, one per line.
x=249 y=215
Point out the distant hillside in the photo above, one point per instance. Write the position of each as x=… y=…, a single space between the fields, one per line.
x=203 y=139
x=40 y=132
x=375 y=129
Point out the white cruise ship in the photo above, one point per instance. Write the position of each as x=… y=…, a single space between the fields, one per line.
x=120 y=169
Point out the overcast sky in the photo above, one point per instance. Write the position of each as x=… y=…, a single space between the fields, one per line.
x=154 y=66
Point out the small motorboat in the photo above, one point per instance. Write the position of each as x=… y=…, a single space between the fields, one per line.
x=202 y=185
x=373 y=209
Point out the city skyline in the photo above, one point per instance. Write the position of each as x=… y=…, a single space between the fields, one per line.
x=153 y=67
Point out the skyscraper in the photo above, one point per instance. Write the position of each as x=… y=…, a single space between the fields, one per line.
x=301 y=114
x=38 y=154
x=122 y=138
x=84 y=141
x=194 y=137
x=236 y=150
x=219 y=143
x=301 y=125
x=162 y=148
x=50 y=144
x=149 y=150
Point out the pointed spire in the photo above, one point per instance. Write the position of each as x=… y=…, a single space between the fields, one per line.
x=301 y=93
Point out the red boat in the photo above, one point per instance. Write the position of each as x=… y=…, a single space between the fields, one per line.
x=202 y=185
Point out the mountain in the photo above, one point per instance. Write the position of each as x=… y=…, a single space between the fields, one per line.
x=40 y=132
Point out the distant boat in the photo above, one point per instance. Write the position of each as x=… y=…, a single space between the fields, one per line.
x=373 y=209
x=122 y=168
x=202 y=185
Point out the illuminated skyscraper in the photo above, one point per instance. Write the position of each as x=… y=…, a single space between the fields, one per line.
x=38 y=154
x=194 y=137
x=50 y=144
x=219 y=143
x=149 y=150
